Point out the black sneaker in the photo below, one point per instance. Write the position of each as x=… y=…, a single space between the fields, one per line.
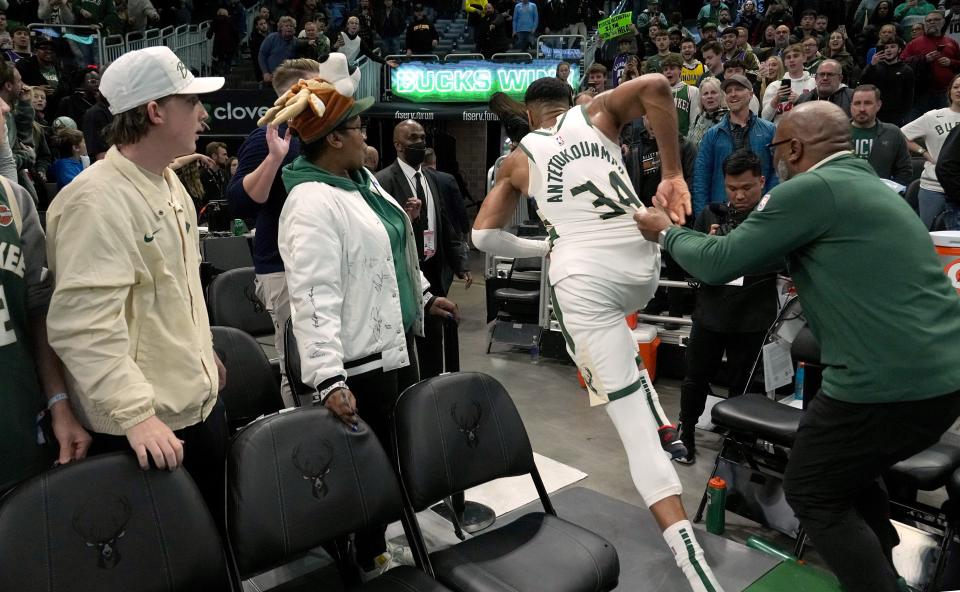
x=687 y=438
x=670 y=441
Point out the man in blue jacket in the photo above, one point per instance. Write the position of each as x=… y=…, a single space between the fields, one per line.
x=740 y=128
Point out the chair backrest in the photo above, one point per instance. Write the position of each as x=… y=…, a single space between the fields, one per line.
x=912 y=195
x=299 y=478
x=227 y=252
x=251 y=390
x=233 y=302
x=456 y=431
x=104 y=524
x=291 y=362
x=916 y=167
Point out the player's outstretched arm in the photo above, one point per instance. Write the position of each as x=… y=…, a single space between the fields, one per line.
x=649 y=95
x=498 y=208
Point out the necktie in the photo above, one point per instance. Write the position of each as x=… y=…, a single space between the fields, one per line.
x=420 y=224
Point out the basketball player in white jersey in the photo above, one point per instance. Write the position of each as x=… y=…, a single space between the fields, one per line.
x=600 y=268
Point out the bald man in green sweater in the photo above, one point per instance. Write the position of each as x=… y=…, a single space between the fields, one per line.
x=885 y=315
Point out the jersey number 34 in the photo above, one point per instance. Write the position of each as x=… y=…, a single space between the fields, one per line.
x=625 y=196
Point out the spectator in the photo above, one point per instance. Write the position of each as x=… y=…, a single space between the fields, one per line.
x=734 y=67
x=767 y=43
x=948 y=170
x=686 y=98
x=881 y=144
x=596 y=78
x=338 y=221
x=782 y=40
x=43 y=157
x=70 y=147
x=277 y=47
x=642 y=159
x=257 y=191
x=935 y=59
x=526 y=19
x=96 y=12
x=214 y=176
x=707 y=34
x=55 y=11
x=422 y=36
x=625 y=47
x=728 y=319
x=820 y=25
x=811 y=54
x=582 y=16
x=808 y=21
x=38 y=99
x=391 y=25
x=771 y=70
x=492 y=31
x=141 y=14
x=123 y=269
x=884 y=34
x=226 y=42
x=894 y=79
x=732 y=52
x=19 y=123
x=952 y=16
x=882 y=18
x=20 y=38
x=713 y=107
x=712 y=61
x=779 y=99
x=933 y=127
x=738 y=129
x=748 y=18
x=312 y=44
x=725 y=21
x=651 y=15
x=43 y=69
x=662 y=43
x=311 y=12
x=836 y=50
x=95 y=121
x=351 y=44
x=563 y=71
x=912 y=11
x=261 y=28
x=33 y=383
x=86 y=86
x=692 y=68
x=371 y=159
x=710 y=13
x=830 y=87
x=190 y=174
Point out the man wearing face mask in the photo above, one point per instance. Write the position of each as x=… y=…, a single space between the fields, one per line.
x=440 y=246
x=889 y=389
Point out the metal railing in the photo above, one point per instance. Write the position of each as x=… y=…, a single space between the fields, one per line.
x=453 y=58
x=370 y=78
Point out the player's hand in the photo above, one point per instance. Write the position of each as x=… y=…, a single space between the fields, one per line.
x=714 y=229
x=441 y=307
x=674 y=196
x=344 y=405
x=651 y=221
x=74 y=441
x=278 y=145
x=152 y=437
x=412 y=207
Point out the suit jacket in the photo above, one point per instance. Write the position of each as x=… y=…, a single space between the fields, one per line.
x=451 y=251
x=453 y=200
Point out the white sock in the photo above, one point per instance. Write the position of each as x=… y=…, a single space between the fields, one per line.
x=653 y=399
x=689 y=557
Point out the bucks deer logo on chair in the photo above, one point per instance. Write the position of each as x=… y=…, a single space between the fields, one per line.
x=101 y=522
x=468 y=422
x=313 y=459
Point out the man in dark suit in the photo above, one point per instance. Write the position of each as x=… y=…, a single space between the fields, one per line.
x=439 y=242
x=453 y=199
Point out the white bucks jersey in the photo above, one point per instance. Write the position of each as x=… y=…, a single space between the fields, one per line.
x=587 y=202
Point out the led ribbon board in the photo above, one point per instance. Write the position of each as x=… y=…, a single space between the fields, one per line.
x=470 y=81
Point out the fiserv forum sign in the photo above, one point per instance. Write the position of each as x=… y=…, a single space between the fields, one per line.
x=469 y=81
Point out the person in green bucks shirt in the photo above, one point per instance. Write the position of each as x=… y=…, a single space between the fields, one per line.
x=885 y=316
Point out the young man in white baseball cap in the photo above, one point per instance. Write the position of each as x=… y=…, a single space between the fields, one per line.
x=127 y=315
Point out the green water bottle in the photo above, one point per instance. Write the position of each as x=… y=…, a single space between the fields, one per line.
x=716 y=504
x=239 y=227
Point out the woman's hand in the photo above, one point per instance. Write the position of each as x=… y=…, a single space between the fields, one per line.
x=344 y=405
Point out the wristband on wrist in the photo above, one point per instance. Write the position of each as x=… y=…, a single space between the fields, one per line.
x=56 y=399
x=329 y=390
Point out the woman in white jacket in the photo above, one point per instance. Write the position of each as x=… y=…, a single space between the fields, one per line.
x=356 y=292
